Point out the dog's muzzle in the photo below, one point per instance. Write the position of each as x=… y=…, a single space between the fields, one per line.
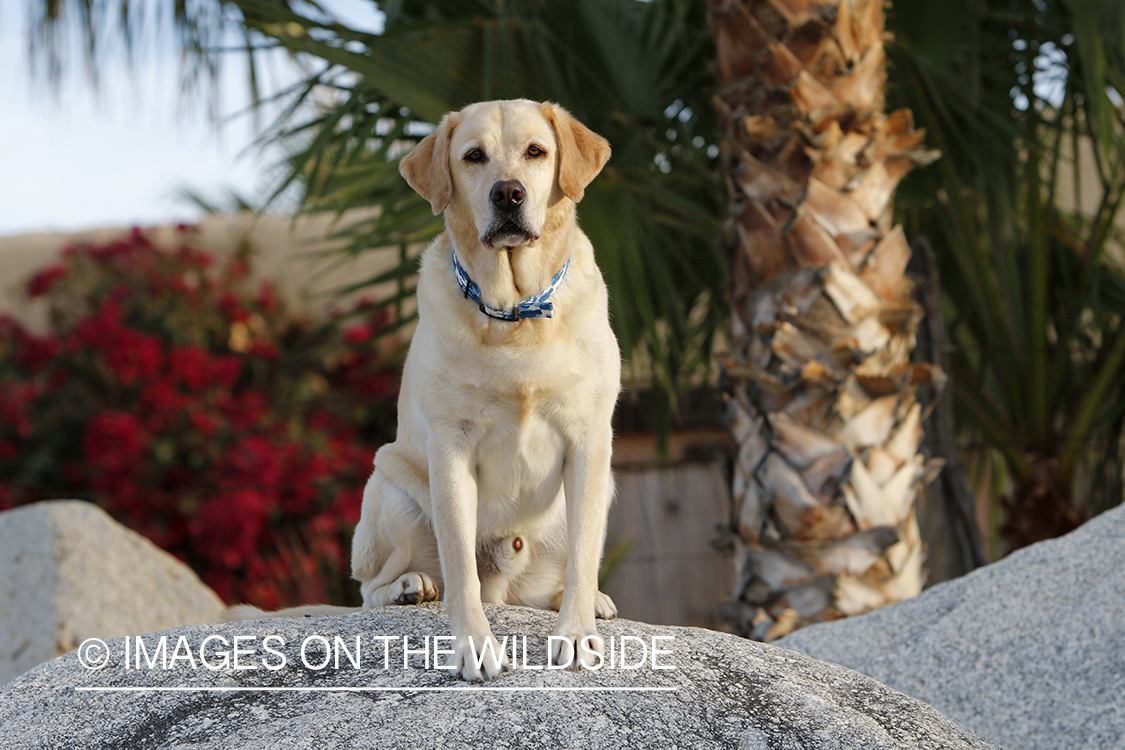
x=508 y=227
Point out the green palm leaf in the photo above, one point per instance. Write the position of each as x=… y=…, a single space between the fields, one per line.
x=1036 y=301
x=635 y=72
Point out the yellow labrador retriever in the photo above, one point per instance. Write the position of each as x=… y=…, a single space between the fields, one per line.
x=497 y=486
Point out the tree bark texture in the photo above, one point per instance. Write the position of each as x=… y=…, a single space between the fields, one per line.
x=821 y=388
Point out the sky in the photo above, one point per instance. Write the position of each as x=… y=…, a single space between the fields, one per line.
x=81 y=160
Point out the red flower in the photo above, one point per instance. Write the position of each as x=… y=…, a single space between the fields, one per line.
x=42 y=282
x=358 y=333
x=35 y=353
x=233 y=308
x=161 y=396
x=254 y=459
x=246 y=411
x=57 y=379
x=301 y=485
x=178 y=478
x=225 y=371
x=191 y=365
x=347 y=505
x=203 y=423
x=100 y=330
x=248 y=450
x=263 y=349
x=326 y=540
x=15 y=400
x=187 y=228
x=226 y=528
x=267 y=296
x=138 y=237
x=238 y=270
x=134 y=355
x=115 y=441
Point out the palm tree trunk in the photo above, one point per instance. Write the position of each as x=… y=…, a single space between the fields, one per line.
x=820 y=383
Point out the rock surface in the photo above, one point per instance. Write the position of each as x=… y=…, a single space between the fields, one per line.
x=1029 y=651
x=69 y=572
x=727 y=693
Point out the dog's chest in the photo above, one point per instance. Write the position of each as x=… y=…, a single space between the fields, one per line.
x=519 y=459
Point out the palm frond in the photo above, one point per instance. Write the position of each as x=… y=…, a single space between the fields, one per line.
x=84 y=34
x=635 y=72
x=1014 y=94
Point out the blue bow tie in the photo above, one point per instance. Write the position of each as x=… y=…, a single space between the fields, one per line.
x=535 y=306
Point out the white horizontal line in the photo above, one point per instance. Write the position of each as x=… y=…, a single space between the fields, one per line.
x=375 y=689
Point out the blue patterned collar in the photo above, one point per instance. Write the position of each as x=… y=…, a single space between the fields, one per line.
x=535 y=306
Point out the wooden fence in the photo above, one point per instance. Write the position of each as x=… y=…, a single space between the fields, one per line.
x=666 y=514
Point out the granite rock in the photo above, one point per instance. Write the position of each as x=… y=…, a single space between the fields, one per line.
x=1029 y=651
x=721 y=692
x=69 y=572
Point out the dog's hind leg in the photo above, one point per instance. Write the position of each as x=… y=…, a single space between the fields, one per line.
x=403 y=587
x=394 y=555
x=403 y=578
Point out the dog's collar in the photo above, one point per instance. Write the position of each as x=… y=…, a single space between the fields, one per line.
x=535 y=306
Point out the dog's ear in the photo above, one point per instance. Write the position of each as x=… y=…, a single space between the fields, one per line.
x=426 y=168
x=582 y=152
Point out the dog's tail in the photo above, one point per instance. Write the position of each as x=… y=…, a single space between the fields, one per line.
x=241 y=612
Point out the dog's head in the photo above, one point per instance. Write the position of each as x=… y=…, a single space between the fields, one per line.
x=503 y=166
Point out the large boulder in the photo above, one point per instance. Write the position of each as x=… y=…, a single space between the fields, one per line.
x=720 y=692
x=1029 y=651
x=69 y=572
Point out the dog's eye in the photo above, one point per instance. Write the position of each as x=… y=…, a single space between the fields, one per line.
x=476 y=156
x=534 y=152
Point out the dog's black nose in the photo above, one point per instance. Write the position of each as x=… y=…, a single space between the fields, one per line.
x=507 y=194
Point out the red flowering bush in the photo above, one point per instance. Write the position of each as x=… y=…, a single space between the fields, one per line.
x=199 y=412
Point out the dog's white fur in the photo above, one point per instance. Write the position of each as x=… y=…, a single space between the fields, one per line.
x=497 y=486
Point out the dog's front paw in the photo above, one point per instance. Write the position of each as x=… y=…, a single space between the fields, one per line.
x=413 y=588
x=604 y=608
x=572 y=649
x=480 y=658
